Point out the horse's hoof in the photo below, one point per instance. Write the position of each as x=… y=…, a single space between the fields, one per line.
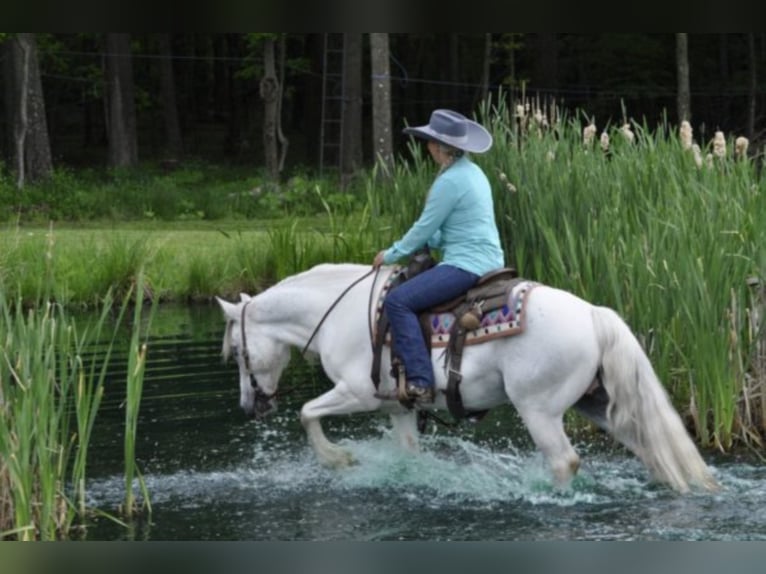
x=339 y=459
x=347 y=459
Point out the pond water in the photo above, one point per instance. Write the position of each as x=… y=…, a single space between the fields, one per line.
x=214 y=475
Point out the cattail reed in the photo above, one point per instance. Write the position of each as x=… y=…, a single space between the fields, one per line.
x=719 y=145
x=740 y=147
x=588 y=135
x=685 y=135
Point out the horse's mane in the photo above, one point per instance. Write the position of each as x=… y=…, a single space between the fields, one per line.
x=328 y=273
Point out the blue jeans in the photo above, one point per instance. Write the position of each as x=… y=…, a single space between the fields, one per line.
x=402 y=305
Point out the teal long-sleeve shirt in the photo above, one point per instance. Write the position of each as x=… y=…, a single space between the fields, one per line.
x=458 y=219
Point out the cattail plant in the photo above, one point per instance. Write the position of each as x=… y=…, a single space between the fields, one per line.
x=697 y=154
x=651 y=236
x=134 y=384
x=719 y=145
x=627 y=133
x=604 y=141
x=588 y=135
x=685 y=135
x=740 y=147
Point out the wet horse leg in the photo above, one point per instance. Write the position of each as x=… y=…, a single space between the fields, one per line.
x=405 y=427
x=547 y=432
x=336 y=401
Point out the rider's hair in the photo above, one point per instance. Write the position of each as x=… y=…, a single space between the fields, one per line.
x=450 y=151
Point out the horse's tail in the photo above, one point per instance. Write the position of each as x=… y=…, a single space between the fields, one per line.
x=640 y=413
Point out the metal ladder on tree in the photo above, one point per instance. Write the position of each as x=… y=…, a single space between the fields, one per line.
x=333 y=92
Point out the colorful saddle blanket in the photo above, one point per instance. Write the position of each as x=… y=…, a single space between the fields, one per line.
x=510 y=319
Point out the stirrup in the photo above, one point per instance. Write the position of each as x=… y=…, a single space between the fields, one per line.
x=422 y=395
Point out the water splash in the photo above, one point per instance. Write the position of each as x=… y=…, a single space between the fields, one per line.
x=454 y=489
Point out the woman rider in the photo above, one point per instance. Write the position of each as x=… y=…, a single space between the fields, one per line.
x=458 y=219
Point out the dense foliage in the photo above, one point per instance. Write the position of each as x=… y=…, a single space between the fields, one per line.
x=220 y=110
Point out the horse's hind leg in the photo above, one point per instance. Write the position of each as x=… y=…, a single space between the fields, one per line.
x=548 y=434
x=593 y=404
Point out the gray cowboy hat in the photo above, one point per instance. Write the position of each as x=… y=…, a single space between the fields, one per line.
x=455 y=130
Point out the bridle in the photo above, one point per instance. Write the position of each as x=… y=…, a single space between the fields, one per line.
x=259 y=394
x=346 y=290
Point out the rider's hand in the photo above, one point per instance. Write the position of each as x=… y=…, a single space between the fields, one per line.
x=378 y=261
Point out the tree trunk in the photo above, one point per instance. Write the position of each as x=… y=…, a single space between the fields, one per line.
x=486 y=68
x=283 y=141
x=752 y=86
x=351 y=159
x=168 y=94
x=270 y=95
x=26 y=106
x=382 y=144
x=120 y=104
x=682 y=73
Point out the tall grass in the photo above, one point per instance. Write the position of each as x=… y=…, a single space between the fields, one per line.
x=134 y=390
x=49 y=399
x=641 y=228
x=644 y=230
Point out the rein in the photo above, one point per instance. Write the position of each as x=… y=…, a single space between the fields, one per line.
x=327 y=313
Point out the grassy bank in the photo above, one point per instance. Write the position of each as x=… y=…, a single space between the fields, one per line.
x=76 y=266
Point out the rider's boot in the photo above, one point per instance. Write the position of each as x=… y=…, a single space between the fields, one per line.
x=421 y=395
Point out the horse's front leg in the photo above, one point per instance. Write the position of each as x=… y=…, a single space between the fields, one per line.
x=405 y=427
x=337 y=401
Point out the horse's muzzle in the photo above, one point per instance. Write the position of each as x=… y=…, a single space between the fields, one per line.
x=263 y=407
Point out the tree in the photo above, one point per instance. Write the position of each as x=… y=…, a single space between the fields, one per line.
x=752 y=85
x=351 y=159
x=26 y=111
x=382 y=144
x=682 y=73
x=120 y=104
x=270 y=95
x=486 y=61
x=173 y=140
x=271 y=92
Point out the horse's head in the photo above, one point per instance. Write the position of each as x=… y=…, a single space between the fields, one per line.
x=260 y=358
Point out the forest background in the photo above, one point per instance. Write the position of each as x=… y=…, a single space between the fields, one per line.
x=284 y=103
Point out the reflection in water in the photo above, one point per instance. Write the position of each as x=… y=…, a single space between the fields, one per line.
x=214 y=475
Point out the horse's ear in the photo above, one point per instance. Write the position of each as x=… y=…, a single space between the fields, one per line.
x=244 y=297
x=229 y=309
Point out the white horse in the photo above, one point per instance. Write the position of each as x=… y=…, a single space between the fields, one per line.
x=569 y=349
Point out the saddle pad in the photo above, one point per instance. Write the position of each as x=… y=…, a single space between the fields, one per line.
x=508 y=320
